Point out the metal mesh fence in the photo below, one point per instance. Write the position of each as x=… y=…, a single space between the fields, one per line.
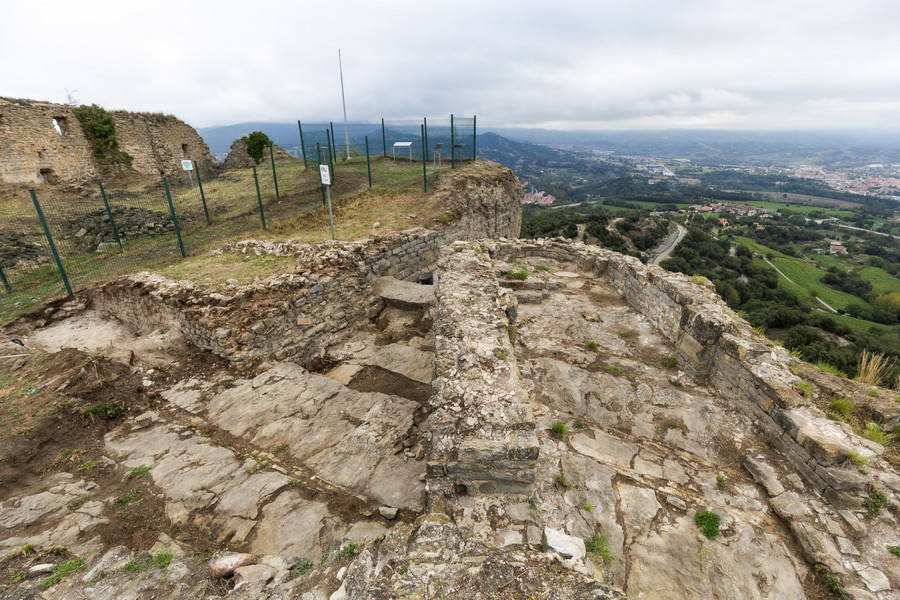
x=53 y=242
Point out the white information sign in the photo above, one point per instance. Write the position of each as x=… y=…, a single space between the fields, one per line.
x=326 y=176
x=187 y=165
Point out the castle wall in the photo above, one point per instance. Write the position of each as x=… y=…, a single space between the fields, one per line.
x=33 y=150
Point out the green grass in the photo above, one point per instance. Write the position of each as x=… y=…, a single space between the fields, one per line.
x=348 y=551
x=560 y=429
x=882 y=281
x=807 y=277
x=874 y=503
x=521 y=274
x=842 y=406
x=61 y=570
x=614 y=370
x=599 y=545
x=160 y=560
x=85 y=467
x=562 y=481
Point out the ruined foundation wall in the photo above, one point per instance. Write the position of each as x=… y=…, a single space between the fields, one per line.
x=483 y=426
x=714 y=343
x=294 y=316
x=31 y=146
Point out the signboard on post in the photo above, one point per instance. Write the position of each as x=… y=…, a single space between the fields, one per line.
x=326 y=181
x=187 y=165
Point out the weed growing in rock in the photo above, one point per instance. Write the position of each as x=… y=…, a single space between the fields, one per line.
x=614 y=370
x=109 y=410
x=676 y=383
x=874 y=503
x=160 y=560
x=542 y=268
x=17 y=576
x=560 y=429
x=579 y=424
x=348 y=551
x=84 y=468
x=587 y=506
x=521 y=274
x=302 y=567
x=842 y=406
x=626 y=334
x=857 y=458
x=137 y=472
x=831 y=579
x=256 y=466
x=597 y=396
x=77 y=503
x=599 y=545
x=895 y=550
x=60 y=571
x=670 y=362
x=26 y=549
x=591 y=345
x=708 y=522
x=805 y=388
x=759 y=329
x=561 y=480
x=874 y=432
x=279 y=448
x=532 y=504
x=293 y=481
x=501 y=355
x=129 y=498
x=720 y=482
x=873 y=392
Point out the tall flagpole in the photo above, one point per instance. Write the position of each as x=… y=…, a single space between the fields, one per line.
x=344 y=100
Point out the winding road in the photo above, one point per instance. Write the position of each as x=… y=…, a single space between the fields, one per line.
x=669 y=245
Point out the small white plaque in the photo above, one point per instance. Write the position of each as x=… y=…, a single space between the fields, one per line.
x=187 y=165
x=326 y=176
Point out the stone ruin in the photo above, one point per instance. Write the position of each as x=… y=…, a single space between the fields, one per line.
x=488 y=435
x=44 y=142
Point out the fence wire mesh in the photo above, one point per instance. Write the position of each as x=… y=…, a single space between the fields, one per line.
x=138 y=226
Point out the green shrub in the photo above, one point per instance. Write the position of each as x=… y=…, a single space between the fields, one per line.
x=614 y=370
x=874 y=432
x=85 y=467
x=109 y=410
x=669 y=363
x=708 y=522
x=874 y=503
x=256 y=142
x=831 y=579
x=100 y=131
x=592 y=345
x=348 y=551
x=60 y=571
x=895 y=550
x=561 y=480
x=521 y=274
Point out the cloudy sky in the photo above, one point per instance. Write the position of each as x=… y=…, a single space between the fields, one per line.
x=593 y=64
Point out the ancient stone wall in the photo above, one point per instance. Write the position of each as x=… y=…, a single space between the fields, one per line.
x=482 y=421
x=40 y=141
x=715 y=344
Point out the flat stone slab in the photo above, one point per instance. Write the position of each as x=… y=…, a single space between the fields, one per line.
x=403 y=294
x=405 y=360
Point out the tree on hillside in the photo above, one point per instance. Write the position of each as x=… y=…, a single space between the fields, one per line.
x=257 y=142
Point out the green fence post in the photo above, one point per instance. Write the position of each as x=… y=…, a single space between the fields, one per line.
x=5 y=282
x=174 y=218
x=331 y=124
x=59 y=265
x=383 y=140
x=368 y=164
x=321 y=185
x=274 y=176
x=202 y=195
x=474 y=117
x=424 y=161
x=452 y=145
x=302 y=146
x=112 y=221
x=262 y=213
x=331 y=157
x=425 y=136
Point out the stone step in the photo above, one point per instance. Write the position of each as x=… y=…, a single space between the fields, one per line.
x=403 y=294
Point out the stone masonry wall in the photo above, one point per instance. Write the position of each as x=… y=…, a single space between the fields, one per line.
x=294 y=316
x=715 y=344
x=483 y=426
x=30 y=145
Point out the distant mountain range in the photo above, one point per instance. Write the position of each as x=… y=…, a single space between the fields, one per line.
x=509 y=146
